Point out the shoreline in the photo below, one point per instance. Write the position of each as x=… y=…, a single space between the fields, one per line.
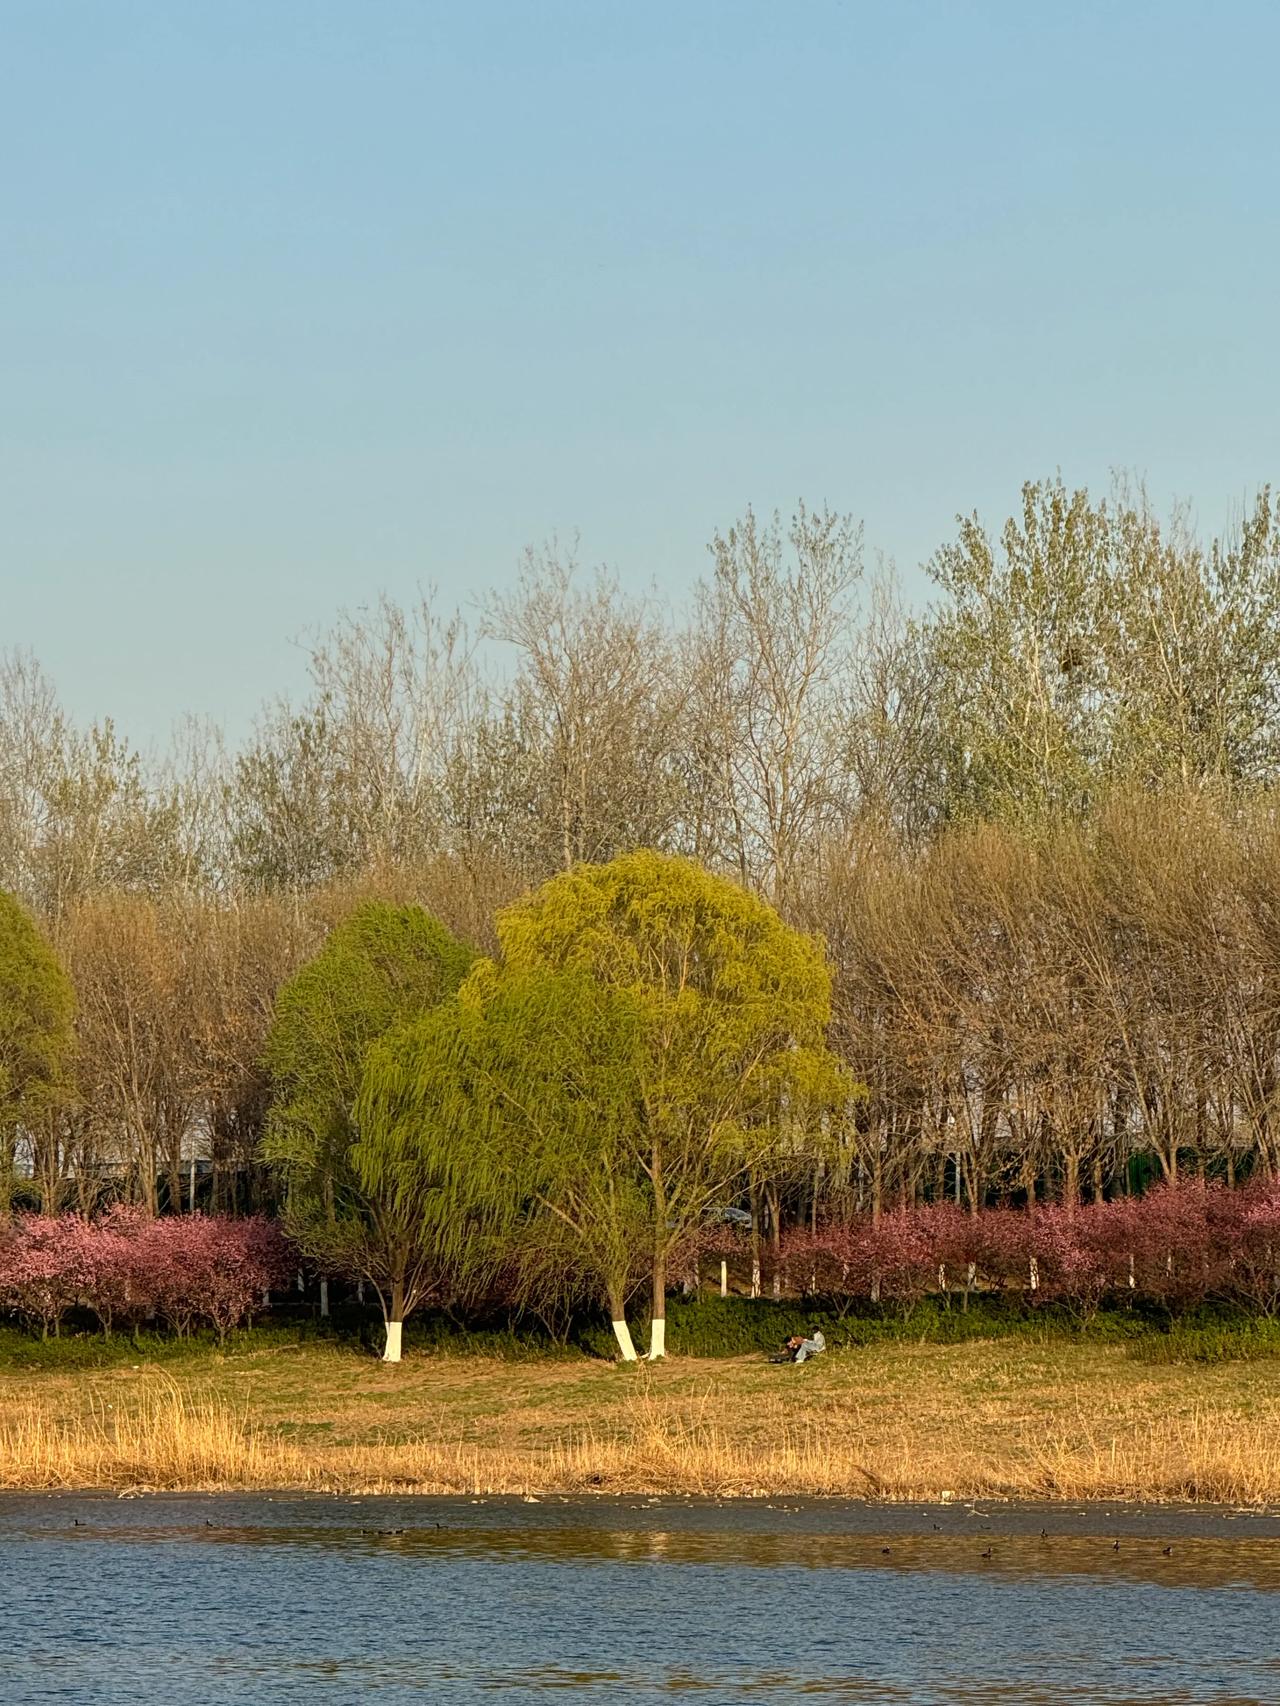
x=1015 y=1514
x=819 y=1515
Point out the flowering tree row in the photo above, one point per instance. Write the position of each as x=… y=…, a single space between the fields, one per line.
x=128 y=1269
x=1177 y=1246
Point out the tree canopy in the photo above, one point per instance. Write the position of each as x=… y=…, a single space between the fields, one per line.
x=381 y=968
x=37 y=1005
x=509 y=1113
x=730 y=1008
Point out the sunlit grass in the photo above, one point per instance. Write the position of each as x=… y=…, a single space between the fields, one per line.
x=898 y=1421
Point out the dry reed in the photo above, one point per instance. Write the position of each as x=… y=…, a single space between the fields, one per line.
x=163 y=1437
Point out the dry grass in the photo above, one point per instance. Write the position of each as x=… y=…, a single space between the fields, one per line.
x=905 y=1422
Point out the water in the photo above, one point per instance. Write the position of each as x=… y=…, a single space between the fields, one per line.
x=207 y=1601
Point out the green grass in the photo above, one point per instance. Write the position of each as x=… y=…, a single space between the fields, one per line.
x=706 y=1327
x=1210 y=1341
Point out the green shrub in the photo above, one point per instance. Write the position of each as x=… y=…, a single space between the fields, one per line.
x=1246 y=1341
x=89 y=1349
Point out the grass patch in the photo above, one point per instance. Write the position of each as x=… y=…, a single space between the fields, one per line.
x=1209 y=1342
x=709 y=1326
x=1049 y=1417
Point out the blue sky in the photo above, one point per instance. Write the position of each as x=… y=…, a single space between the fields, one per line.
x=302 y=301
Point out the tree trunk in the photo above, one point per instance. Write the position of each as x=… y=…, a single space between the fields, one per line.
x=148 y=1180
x=174 y=1170
x=753 y=1199
x=621 y=1332
x=395 y=1322
x=658 y=1337
x=775 y=1240
x=1071 y=1179
x=8 y=1152
x=658 y=1334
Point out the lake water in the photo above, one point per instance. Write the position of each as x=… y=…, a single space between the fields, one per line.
x=206 y=1601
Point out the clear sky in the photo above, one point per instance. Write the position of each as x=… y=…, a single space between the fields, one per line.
x=300 y=300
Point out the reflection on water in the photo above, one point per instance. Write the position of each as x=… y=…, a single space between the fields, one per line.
x=1198 y=1561
x=200 y=1602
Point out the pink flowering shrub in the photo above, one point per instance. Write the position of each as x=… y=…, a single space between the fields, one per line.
x=125 y=1268
x=894 y=1261
x=902 y=1257
x=1182 y=1240
x=716 y=1242
x=1178 y=1246
x=1080 y=1255
x=212 y=1271
x=46 y=1265
x=119 y=1287
x=1252 y=1265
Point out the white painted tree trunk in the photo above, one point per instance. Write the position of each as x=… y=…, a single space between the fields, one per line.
x=657 y=1341
x=724 y=1279
x=324 y=1299
x=626 y=1349
x=392 y=1352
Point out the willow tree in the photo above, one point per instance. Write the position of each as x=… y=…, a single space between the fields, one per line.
x=383 y=967
x=730 y=1007
x=36 y=1038
x=502 y=1124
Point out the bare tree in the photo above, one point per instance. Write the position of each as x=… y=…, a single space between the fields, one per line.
x=774 y=642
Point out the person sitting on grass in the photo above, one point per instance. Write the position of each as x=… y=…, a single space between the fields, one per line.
x=800 y=1349
x=806 y=1348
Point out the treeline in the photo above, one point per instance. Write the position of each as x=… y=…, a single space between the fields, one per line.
x=1034 y=823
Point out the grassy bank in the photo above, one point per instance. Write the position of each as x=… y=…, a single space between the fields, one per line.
x=1028 y=1415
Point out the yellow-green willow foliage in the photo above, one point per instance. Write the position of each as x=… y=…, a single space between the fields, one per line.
x=36 y=1038
x=731 y=1012
x=504 y=1123
x=382 y=968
